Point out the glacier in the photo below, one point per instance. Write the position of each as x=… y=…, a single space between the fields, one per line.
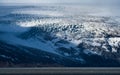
x=79 y=34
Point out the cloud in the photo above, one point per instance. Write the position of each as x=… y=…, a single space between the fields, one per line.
x=63 y=1
x=27 y=1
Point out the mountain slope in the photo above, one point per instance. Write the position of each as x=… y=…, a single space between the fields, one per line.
x=40 y=36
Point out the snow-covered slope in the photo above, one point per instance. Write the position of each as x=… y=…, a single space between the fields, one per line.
x=65 y=33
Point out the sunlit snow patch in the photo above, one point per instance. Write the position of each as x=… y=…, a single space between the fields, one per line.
x=38 y=22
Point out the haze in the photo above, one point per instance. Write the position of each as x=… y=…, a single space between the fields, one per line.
x=62 y=1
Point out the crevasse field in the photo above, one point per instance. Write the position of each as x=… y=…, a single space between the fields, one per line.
x=59 y=35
